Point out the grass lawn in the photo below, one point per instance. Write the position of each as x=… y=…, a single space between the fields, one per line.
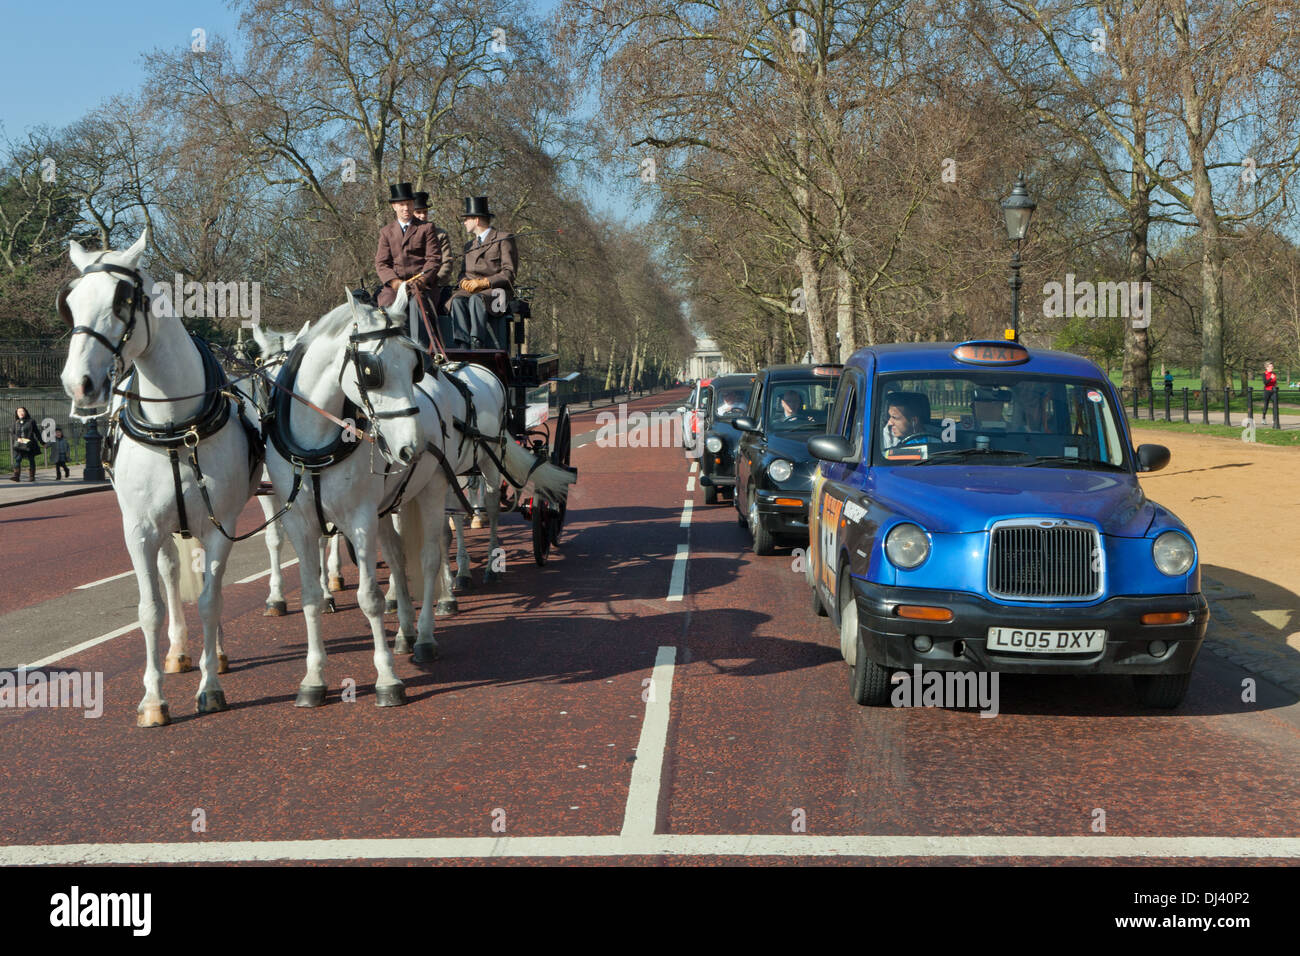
x=1267 y=436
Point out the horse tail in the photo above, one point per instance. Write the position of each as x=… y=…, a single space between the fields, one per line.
x=548 y=480
x=412 y=540
x=191 y=577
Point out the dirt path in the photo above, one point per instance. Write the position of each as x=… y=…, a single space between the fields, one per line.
x=1242 y=502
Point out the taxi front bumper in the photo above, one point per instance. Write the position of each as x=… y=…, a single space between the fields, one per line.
x=961 y=643
x=780 y=515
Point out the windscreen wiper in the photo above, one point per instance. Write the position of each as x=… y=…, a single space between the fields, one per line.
x=1070 y=460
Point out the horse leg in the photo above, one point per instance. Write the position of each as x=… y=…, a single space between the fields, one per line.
x=396 y=558
x=462 y=582
x=433 y=518
x=335 y=566
x=323 y=546
x=275 y=606
x=496 y=566
x=311 y=692
x=475 y=496
x=210 y=697
x=169 y=569
x=445 y=593
x=143 y=544
x=389 y=691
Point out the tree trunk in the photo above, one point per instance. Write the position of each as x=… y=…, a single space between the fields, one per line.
x=1137 y=341
x=844 y=313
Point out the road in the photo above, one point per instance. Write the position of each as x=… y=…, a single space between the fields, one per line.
x=656 y=692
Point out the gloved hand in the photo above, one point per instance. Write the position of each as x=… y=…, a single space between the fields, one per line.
x=480 y=284
x=467 y=285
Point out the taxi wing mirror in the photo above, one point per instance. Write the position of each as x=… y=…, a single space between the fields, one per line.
x=745 y=423
x=1152 y=457
x=830 y=448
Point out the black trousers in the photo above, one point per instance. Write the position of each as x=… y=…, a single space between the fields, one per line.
x=1270 y=395
x=469 y=318
x=30 y=455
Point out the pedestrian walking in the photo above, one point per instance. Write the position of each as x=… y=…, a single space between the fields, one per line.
x=1270 y=388
x=60 y=455
x=1169 y=383
x=25 y=442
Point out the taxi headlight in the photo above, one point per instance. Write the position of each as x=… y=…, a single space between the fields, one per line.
x=713 y=443
x=907 y=546
x=1173 y=553
x=780 y=470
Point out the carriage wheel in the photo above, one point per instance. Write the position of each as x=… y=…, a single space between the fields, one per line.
x=560 y=456
x=542 y=510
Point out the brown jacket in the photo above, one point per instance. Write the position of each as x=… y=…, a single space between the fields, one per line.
x=448 y=266
x=495 y=260
x=403 y=255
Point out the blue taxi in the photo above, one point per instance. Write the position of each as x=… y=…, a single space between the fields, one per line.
x=977 y=508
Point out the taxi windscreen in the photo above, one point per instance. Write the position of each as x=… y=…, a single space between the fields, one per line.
x=993 y=418
x=801 y=403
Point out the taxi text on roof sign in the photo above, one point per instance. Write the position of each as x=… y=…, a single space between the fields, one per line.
x=991 y=353
x=826 y=370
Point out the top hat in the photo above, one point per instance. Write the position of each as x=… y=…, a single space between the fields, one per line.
x=476 y=206
x=421 y=200
x=400 y=192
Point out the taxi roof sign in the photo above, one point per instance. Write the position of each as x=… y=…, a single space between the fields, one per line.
x=991 y=353
x=827 y=370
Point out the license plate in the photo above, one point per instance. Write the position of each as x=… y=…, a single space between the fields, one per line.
x=1025 y=641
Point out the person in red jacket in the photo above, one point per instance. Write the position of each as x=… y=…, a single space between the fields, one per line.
x=1270 y=389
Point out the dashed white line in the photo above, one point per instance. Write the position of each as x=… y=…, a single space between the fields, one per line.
x=84 y=645
x=643 y=793
x=115 y=577
x=695 y=466
x=262 y=574
x=677 y=583
x=690 y=483
x=687 y=507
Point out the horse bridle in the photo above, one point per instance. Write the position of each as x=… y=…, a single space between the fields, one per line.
x=131 y=286
x=370 y=374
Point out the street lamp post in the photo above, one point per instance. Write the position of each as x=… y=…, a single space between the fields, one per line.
x=1016 y=210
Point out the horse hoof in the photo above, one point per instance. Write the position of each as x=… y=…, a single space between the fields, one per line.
x=401 y=644
x=425 y=653
x=275 y=609
x=213 y=702
x=390 y=695
x=336 y=582
x=180 y=664
x=390 y=607
x=223 y=664
x=491 y=577
x=476 y=522
x=153 y=715
x=461 y=584
x=330 y=606
x=310 y=697
x=446 y=608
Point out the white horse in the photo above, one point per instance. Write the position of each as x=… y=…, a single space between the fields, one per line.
x=356 y=362
x=478 y=440
x=115 y=331
x=273 y=348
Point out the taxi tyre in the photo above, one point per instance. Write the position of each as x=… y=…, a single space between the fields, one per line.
x=764 y=543
x=869 y=683
x=1161 y=690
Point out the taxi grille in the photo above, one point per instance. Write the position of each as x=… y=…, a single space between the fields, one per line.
x=1036 y=563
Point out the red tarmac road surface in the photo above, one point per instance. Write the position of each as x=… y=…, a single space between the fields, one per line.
x=533 y=716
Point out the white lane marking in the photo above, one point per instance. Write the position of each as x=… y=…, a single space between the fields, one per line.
x=677 y=583
x=690 y=483
x=664 y=844
x=115 y=577
x=695 y=465
x=261 y=574
x=583 y=445
x=687 y=507
x=643 y=793
x=84 y=645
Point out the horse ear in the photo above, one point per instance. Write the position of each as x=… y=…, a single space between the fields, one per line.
x=137 y=248
x=303 y=331
x=79 y=256
x=351 y=301
x=397 y=311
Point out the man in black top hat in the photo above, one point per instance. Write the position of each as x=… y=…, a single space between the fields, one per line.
x=440 y=291
x=407 y=248
x=487 y=278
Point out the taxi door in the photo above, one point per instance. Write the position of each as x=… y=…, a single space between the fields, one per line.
x=834 y=487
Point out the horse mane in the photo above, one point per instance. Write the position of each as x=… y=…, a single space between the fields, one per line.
x=332 y=323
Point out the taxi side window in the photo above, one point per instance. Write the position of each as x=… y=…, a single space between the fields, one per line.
x=755 y=400
x=846 y=417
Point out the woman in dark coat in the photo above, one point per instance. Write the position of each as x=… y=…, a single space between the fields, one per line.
x=26 y=440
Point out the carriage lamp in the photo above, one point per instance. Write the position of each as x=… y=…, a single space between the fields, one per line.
x=1016 y=210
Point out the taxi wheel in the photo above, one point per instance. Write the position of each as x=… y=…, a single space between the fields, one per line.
x=710 y=494
x=868 y=681
x=763 y=542
x=1162 y=690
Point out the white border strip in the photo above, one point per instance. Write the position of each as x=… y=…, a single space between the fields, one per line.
x=84 y=645
x=116 y=577
x=677 y=583
x=643 y=793
x=261 y=574
x=1076 y=847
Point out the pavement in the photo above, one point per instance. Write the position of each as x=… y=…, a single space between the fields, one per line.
x=656 y=693
x=46 y=486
